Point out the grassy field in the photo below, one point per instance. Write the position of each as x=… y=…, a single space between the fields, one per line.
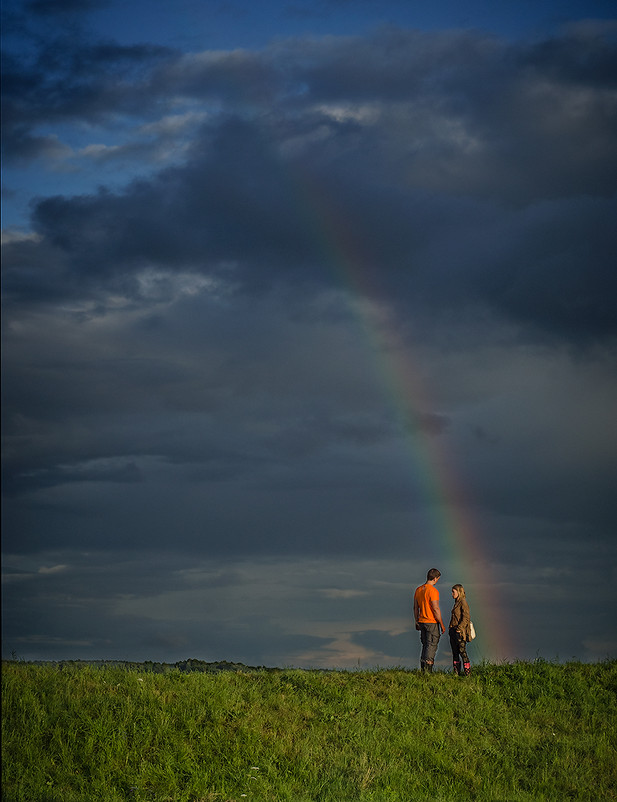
x=522 y=731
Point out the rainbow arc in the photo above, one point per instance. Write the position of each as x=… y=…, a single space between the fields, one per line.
x=451 y=521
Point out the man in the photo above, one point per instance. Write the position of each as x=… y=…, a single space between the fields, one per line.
x=428 y=620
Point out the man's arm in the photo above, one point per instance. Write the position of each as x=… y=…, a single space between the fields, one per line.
x=437 y=614
x=416 y=613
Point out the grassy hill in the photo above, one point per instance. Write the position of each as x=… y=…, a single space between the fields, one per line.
x=523 y=731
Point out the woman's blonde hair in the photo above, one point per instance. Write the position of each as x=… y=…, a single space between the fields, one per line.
x=461 y=591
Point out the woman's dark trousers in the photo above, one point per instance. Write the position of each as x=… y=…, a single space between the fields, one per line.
x=459 y=653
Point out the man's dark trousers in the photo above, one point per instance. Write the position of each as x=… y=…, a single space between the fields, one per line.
x=429 y=637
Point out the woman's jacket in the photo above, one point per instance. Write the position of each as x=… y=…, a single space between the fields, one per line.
x=460 y=619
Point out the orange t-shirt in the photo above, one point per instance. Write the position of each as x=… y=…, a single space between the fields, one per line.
x=423 y=596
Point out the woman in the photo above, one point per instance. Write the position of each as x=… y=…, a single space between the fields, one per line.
x=459 y=631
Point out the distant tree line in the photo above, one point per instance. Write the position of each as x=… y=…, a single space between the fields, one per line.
x=186 y=666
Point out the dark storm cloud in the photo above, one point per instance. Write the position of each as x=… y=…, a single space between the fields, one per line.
x=237 y=220
x=238 y=403
x=68 y=80
x=332 y=613
x=455 y=117
x=97 y=472
x=531 y=104
x=230 y=605
x=226 y=356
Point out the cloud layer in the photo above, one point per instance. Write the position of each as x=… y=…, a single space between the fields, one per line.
x=304 y=277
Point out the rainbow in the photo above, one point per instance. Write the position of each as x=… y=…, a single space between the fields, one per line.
x=461 y=544
x=456 y=540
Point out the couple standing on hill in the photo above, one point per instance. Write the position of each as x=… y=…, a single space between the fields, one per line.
x=428 y=620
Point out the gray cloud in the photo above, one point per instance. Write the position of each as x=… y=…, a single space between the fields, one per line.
x=361 y=287
x=219 y=609
x=487 y=179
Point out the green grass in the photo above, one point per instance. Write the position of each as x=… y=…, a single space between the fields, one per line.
x=523 y=731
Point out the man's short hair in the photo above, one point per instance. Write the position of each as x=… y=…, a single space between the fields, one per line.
x=433 y=574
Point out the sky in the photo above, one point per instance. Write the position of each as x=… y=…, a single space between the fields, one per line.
x=301 y=299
